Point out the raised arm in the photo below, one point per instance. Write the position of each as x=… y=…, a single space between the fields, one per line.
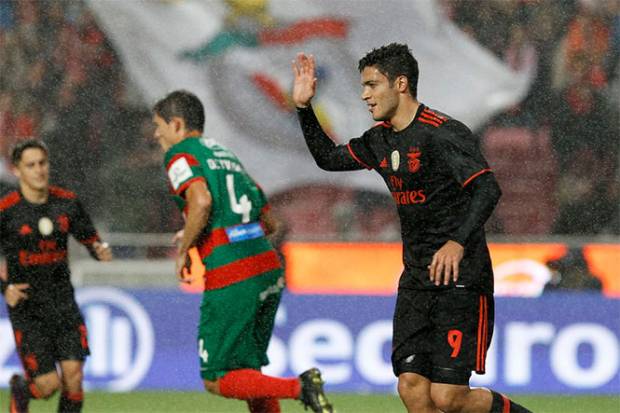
x=326 y=153
x=304 y=86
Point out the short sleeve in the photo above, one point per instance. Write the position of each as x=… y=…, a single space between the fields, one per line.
x=460 y=150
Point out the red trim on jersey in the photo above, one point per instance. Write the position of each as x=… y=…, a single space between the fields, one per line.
x=189 y=158
x=474 y=176
x=426 y=116
x=265 y=209
x=506 y=404
x=30 y=362
x=83 y=336
x=385 y=124
x=90 y=241
x=358 y=160
x=9 y=200
x=423 y=120
x=481 y=351
x=241 y=270
x=19 y=335
x=186 y=184
x=216 y=238
x=427 y=111
x=62 y=193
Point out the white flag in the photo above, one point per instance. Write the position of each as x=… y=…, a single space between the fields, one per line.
x=236 y=56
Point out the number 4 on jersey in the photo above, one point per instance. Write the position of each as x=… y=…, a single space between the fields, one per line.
x=202 y=351
x=243 y=206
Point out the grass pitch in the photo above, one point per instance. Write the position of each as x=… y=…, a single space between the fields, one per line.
x=190 y=402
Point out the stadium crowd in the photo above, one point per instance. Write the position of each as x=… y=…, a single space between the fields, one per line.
x=556 y=153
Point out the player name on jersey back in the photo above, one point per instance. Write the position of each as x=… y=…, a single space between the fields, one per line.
x=224 y=164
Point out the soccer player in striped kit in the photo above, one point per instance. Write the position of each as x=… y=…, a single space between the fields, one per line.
x=227 y=219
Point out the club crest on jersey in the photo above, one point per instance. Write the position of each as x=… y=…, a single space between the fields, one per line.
x=395 y=158
x=413 y=159
x=46 y=226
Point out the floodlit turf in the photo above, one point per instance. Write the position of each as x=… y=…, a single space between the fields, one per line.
x=159 y=402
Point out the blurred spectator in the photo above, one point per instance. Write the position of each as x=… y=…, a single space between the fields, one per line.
x=571 y=273
x=60 y=79
x=576 y=47
x=135 y=196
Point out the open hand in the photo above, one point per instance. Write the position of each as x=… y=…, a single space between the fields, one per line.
x=304 y=86
x=445 y=264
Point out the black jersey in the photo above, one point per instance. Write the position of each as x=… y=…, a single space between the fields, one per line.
x=427 y=167
x=34 y=237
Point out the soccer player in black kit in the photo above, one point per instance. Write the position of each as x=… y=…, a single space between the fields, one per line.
x=35 y=222
x=444 y=191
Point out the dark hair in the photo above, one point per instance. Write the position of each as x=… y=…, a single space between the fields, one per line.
x=19 y=148
x=394 y=60
x=185 y=105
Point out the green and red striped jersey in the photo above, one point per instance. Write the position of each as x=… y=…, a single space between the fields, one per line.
x=233 y=246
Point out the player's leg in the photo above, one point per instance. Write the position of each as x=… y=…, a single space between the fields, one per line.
x=71 y=351
x=230 y=360
x=264 y=322
x=40 y=379
x=264 y=406
x=463 y=399
x=230 y=354
x=311 y=394
x=72 y=395
x=463 y=329
x=414 y=390
x=411 y=360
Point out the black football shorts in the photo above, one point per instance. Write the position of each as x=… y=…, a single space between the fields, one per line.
x=42 y=343
x=442 y=335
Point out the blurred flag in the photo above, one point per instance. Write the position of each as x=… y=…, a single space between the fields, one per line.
x=236 y=55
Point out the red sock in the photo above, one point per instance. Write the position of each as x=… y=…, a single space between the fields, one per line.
x=264 y=405
x=248 y=384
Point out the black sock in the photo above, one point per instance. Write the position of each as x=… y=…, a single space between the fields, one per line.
x=500 y=402
x=23 y=386
x=70 y=402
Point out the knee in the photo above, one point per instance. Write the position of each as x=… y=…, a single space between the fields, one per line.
x=212 y=386
x=447 y=400
x=73 y=379
x=47 y=385
x=410 y=387
x=414 y=391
